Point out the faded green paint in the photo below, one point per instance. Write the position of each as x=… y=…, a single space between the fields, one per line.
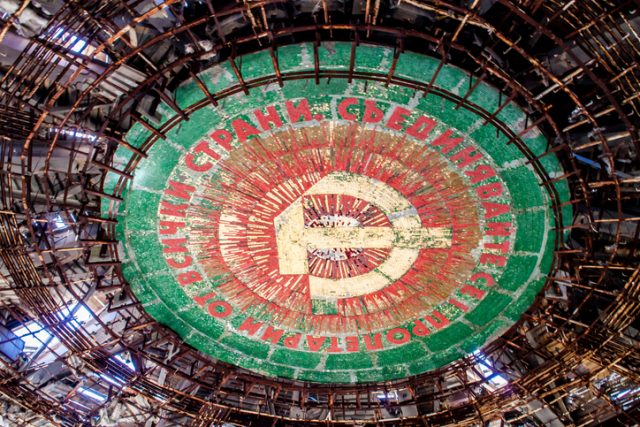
x=153 y=281
x=448 y=338
x=490 y=307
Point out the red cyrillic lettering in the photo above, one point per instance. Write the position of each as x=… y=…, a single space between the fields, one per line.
x=494 y=209
x=372 y=344
x=204 y=148
x=489 y=190
x=272 y=335
x=480 y=173
x=315 y=343
x=180 y=190
x=189 y=277
x=352 y=343
x=177 y=265
x=189 y=160
x=446 y=142
x=397 y=118
x=334 y=346
x=170 y=227
x=174 y=245
x=420 y=329
x=458 y=304
x=372 y=114
x=498 y=260
x=243 y=129
x=502 y=247
x=465 y=157
x=343 y=106
x=422 y=128
x=219 y=309
x=292 y=342
x=498 y=229
x=202 y=300
x=271 y=116
x=437 y=320
x=398 y=336
x=301 y=110
x=170 y=209
x=472 y=291
x=488 y=279
x=223 y=138
x=250 y=325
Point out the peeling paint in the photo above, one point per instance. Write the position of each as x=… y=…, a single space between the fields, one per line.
x=200 y=228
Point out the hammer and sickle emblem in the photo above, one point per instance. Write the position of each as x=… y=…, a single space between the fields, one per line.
x=405 y=237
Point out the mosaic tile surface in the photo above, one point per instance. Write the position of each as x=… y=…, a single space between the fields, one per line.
x=337 y=232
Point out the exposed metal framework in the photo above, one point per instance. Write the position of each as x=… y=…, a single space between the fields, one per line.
x=76 y=75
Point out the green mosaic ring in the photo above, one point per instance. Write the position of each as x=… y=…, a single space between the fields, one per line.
x=339 y=232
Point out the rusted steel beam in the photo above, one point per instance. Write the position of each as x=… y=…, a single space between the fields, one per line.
x=101 y=165
x=501 y=107
x=316 y=59
x=352 y=58
x=102 y=263
x=97 y=219
x=171 y=103
x=138 y=119
x=397 y=50
x=126 y=145
x=102 y=194
x=203 y=88
x=212 y=12
x=236 y=70
x=276 y=66
x=596 y=79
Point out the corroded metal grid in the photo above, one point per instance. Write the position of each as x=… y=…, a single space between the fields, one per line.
x=573 y=358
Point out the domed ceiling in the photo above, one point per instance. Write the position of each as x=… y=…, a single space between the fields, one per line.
x=330 y=212
x=339 y=232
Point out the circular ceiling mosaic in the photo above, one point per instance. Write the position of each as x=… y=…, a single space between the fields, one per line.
x=339 y=232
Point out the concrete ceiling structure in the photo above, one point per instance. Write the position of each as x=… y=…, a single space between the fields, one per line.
x=324 y=212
